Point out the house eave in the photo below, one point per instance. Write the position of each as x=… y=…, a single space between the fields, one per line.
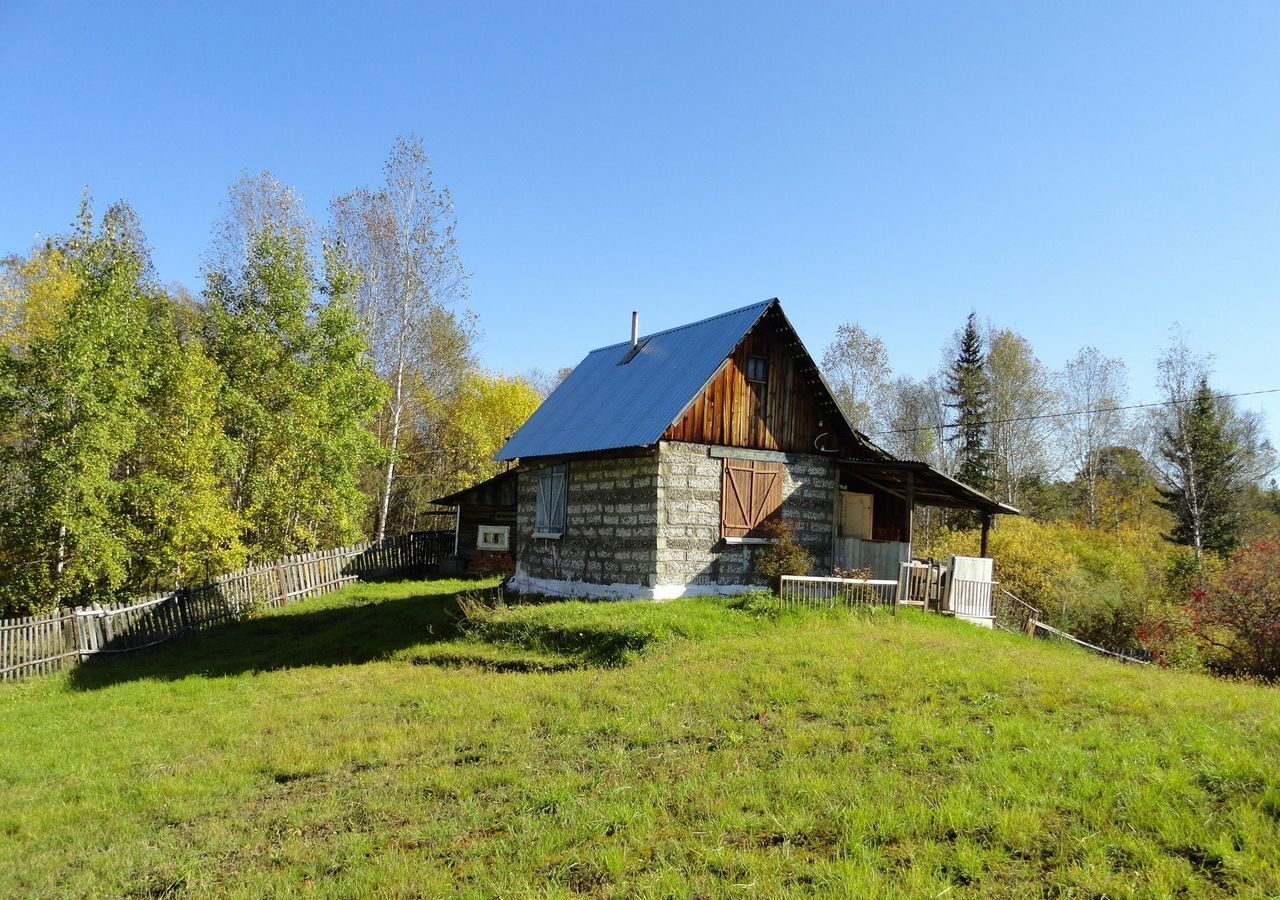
x=932 y=488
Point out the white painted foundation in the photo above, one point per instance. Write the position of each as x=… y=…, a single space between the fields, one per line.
x=586 y=590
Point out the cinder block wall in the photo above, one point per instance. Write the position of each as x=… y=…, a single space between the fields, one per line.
x=689 y=548
x=654 y=520
x=609 y=530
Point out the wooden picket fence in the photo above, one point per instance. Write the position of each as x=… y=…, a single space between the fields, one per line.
x=39 y=645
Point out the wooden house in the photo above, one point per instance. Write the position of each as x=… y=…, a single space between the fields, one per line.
x=652 y=470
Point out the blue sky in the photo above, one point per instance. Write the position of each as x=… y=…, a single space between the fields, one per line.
x=1087 y=173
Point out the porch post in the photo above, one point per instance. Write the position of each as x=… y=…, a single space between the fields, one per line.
x=835 y=523
x=911 y=514
x=457 y=527
x=986 y=531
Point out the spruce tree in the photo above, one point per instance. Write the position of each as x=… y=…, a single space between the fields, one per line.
x=1202 y=466
x=968 y=388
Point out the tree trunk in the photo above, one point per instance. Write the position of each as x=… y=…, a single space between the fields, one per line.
x=1091 y=488
x=1192 y=500
x=59 y=563
x=396 y=410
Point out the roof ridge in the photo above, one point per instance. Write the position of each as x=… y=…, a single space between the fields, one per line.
x=722 y=315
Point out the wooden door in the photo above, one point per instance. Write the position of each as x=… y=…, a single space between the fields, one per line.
x=856 y=514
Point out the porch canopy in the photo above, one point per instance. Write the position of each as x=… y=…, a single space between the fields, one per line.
x=924 y=485
x=919 y=484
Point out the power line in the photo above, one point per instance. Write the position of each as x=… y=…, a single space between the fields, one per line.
x=1075 y=412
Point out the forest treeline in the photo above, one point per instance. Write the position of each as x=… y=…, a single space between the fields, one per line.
x=1147 y=526
x=321 y=388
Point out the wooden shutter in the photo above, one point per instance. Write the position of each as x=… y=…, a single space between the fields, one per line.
x=735 y=499
x=552 y=502
x=542 y=516
x=559 y=498
x=752 y=494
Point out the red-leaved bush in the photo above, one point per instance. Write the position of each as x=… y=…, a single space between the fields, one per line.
x=1236 y=615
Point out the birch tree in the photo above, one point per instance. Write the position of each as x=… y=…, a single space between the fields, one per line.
x=400 y=237
x=490 y=407
x=857 y=365
x=1020 y=393
x=255 y=202
x=1090 y=387
x=71 y=407
x=917 y=419
x=299 y=391
x=545 y=381
x=916 y=416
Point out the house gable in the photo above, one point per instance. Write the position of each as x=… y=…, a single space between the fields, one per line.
x=619 y=397
x=791 y=410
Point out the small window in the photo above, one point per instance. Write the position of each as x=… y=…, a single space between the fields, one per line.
x=757 y=368
x=493 y=537
x=552 y=502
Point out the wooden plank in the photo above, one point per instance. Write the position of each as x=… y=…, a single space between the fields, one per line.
x=776 y=456
x=284 y=587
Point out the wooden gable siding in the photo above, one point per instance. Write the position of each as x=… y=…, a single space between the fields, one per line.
x=781 y=414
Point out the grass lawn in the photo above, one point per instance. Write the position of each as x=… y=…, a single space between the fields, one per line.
x=364 y=743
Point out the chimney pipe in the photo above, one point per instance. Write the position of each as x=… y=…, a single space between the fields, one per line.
x=635 y=328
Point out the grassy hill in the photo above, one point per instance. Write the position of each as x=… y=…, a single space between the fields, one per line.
x=366 y=741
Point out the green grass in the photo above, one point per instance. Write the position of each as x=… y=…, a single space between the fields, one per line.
x=368 y=743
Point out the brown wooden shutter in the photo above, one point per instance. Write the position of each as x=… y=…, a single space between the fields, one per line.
x=735 y=502
x=768 y=491
x=752 y=495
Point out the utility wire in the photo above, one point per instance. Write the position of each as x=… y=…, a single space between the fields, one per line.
x=1075 y=412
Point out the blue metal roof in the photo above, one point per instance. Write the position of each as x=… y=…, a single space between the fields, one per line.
x=606 y=405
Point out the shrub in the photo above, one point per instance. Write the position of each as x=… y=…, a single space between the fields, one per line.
x=1030 y=561
x=1236 y=615
x=1105 y=611
x=1165 y=632
x=783 y=555
x=862 y=574
x=1106 y=587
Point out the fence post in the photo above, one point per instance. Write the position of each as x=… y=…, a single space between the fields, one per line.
x=71 y=635
x=180 y=600
x=108 y=626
